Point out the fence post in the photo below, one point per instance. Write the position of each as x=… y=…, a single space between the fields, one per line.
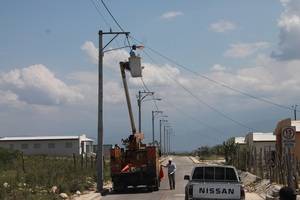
x=74 y=160
x=81 y=163
x=86 y=161
x=92 y=162
x=23 y=162
x=255 y=161
x=261 y=170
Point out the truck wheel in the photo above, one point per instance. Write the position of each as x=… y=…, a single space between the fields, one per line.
x=186 y=197
x=156 y=185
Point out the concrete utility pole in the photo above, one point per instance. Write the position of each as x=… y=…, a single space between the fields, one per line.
x=160 y=136
x=154 y=114
x=295 y=111
x=141 y=96
x=165 y=141
x=99 y=152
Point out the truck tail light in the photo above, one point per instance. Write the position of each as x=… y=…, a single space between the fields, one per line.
x=191 y=190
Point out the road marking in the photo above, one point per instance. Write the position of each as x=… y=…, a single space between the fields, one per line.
x=179 y=195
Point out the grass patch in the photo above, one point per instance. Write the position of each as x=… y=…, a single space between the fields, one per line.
x=32 y=177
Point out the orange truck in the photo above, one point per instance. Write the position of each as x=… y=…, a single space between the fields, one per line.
x=135 y=167
x=136 y=164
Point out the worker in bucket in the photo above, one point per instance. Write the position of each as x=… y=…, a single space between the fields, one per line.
x=171 y=173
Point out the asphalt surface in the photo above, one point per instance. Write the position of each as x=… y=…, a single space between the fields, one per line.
x=184 y=166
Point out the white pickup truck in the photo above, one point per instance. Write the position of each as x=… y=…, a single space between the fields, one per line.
x=211 y=182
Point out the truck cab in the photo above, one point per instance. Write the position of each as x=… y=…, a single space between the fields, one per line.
x=214 y=182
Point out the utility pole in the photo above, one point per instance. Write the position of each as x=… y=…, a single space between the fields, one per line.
x=160 y=136
x=99 y=152
x=139 y=100
x=295 y=111
x=165 y=140
x=154 y=113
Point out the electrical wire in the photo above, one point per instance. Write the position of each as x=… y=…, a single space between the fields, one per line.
x=182 y=86
x=100 y=13
x=147 y=89
x=115 y=20
x=215 y=81
x=200 y=100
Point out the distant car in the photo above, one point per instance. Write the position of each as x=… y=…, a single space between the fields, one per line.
x=209 y=182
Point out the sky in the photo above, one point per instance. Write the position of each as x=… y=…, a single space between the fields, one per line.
x=224 y=52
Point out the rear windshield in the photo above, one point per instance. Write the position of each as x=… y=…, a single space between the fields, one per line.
x=215 y=174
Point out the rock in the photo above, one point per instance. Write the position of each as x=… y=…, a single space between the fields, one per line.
x=63 y=196
x=54 y=189
x=6 y=185
x=78 y=193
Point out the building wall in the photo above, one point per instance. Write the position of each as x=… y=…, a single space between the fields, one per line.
x=47 y=147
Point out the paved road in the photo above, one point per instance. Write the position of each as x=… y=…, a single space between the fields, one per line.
x=184 y=166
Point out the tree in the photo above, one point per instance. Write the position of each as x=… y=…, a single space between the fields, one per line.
x=230 y=150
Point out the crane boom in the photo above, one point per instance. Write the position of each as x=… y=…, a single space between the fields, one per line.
x=123 y=66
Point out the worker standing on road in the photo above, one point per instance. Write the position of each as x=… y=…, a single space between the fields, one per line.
x=171 y=173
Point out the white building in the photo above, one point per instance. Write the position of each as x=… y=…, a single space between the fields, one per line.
x=49 y=145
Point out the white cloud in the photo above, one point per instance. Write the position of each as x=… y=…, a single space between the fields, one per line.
x=111 y=59
x=242 y=50
x=36 y=84
x=289 y=25
x=218 y=67
x=113 y=91
x=222 y=26
x=171 y=15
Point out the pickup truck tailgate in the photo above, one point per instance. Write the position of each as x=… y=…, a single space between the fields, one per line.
x=217 y=190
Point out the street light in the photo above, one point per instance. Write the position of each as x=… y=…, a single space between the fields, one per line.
x=154 y=114
x=165 y=145
x=160 y=123
x=141 y=97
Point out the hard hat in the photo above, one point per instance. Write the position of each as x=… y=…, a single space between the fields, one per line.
x=170 y=159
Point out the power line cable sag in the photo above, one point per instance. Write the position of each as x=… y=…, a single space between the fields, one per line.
x=214 y=81
x=200 y=100
x=198 y=74
x=186 y=89
x=184 y=113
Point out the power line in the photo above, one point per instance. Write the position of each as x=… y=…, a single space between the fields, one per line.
x=216 y=82
x=147 y=89
x=100 y=13
x=200 y=100
x=112 y=16
x=186 y=89
x=115 y=20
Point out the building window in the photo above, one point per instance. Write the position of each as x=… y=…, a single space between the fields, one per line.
x=11 y=146
x=37 y=146
x=24 y=146
x=51 y=145
x=69 y=144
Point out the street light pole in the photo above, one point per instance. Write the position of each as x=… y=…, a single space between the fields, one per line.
x=99 y=153
x=140 y=99
x=100 y=116
x=154 y=113
x=160 y=136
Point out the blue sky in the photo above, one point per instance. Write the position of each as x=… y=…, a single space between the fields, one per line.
x=48 y=68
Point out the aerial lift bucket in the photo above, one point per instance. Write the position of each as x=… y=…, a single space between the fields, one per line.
x=135 y=66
